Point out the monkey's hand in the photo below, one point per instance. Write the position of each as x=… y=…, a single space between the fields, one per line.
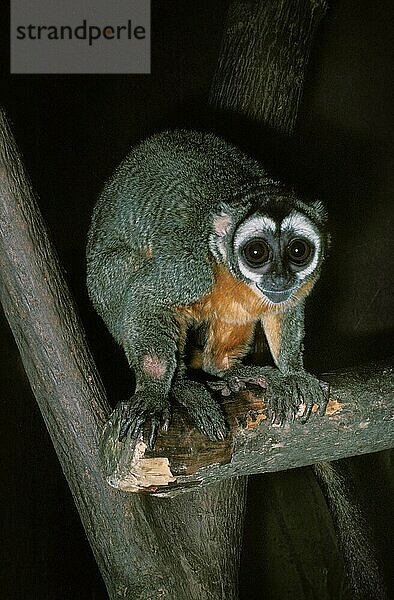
x=203 y=409
x=284 y=392
x=310 y=392
x=143 y=407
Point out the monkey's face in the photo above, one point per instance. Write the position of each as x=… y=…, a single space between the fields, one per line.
x=277 y=256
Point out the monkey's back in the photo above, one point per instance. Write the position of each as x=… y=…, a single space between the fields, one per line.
x=169 y=185
x=154 y=216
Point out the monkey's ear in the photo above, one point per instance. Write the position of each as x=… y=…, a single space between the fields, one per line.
x=222 y=221
x=221 y=224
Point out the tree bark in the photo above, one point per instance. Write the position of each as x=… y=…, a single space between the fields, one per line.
x=182 y=548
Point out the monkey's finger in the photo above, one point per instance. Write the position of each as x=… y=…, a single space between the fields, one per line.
x=136 y=426
x=235 y=384
x=126 y=421
x=124 y=428
x=207 y=430
x=260 y=381
x=307 y=412
x=220 y=429
x=279 y=413
x=277 y=419
x=214 y=434
x=275 y=411
x=216 y=385
x=213 y=428
x=220 y=386
x=130 y=423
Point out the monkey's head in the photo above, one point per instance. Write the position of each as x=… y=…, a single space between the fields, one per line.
x=273 y=241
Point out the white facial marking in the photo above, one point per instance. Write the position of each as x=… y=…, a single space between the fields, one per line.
x=295 y=225
x=253 y=227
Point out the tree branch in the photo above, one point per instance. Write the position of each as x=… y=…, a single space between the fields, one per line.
x=358 y=420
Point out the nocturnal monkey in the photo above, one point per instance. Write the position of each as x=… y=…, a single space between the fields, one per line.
x=192 y=239
x=191 y=235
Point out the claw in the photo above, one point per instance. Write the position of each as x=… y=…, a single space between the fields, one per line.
x=124 y=427
x=153 y=433
x=137 y=425
x=165 y=421
x=133 y=415
x=236 y=384
x=323 y=405
x=123 y=430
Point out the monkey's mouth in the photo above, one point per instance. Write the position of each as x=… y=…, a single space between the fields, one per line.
x=277 y=297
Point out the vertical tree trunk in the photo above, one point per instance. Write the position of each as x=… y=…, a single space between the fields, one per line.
x=262 y=68
x=264 y=58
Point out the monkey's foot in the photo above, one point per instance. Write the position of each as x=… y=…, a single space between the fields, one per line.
x=204 y=410
x=284 y=393
x=143 y=407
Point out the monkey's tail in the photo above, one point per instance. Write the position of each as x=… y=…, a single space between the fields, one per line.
x=361 y=567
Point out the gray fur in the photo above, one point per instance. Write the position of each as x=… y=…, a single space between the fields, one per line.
x=362 y=570
x=169 y=214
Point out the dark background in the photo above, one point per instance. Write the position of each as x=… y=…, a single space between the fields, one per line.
x=73 y=130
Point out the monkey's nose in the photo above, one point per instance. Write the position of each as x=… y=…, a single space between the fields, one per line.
x=277 y=282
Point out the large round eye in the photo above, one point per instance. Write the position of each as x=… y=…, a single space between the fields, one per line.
x=256 y=252
x=299 y=251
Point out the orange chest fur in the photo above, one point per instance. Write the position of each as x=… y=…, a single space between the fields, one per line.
x=230 y=311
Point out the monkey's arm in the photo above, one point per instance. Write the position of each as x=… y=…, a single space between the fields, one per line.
x=149 y=337
x=285 y=333
x=135 y=294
